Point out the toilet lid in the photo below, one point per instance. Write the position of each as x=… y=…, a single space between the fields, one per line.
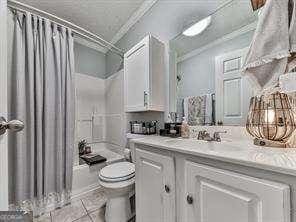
x=117 y=172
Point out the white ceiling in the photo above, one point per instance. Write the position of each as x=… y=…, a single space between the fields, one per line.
x=103 y=17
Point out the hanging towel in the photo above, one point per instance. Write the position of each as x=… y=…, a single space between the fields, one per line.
x=185 y=108
x=198 y=110
x=273 y=42
x=209 y=109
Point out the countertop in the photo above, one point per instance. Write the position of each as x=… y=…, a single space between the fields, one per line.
x=242 y=152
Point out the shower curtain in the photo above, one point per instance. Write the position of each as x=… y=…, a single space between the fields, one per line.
x=42 y=96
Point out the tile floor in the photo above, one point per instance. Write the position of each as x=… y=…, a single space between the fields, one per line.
x=88 y=208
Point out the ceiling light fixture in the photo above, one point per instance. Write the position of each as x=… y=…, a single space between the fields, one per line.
x=198 y=27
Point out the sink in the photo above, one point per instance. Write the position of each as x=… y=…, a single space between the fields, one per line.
x=173 y=140
x=228 y=140
x=227 y=144
x=178 y=140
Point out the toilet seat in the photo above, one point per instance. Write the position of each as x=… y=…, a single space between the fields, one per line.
x=117 y=172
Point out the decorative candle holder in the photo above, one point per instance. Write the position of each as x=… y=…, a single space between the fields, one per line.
x=271 y=120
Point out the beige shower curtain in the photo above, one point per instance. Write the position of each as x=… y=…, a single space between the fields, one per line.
x=41 y=95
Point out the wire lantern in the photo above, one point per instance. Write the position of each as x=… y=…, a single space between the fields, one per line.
x=271 y=117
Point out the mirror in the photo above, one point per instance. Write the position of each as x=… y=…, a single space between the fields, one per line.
x=207 y=86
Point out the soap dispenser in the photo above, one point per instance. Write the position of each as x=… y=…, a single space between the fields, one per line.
x=185 y=131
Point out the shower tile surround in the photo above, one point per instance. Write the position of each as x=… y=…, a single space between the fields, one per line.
x=100 y=116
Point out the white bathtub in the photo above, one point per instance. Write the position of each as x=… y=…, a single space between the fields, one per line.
x=85 y=177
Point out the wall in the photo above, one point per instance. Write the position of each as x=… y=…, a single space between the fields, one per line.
x=115 y=115
x=89 y=61
x=198 y=72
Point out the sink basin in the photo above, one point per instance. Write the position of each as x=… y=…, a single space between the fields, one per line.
x=226 y=140
x=178 y=140
x=173 y=140
x=226 y=144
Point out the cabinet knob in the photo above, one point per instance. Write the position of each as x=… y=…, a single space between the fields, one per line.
x=167 y=189
x=189 y=199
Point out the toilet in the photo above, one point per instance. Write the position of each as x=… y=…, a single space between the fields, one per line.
x=118 y=181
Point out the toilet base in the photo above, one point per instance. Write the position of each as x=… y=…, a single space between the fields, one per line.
x=118 y=206
x=118 y=209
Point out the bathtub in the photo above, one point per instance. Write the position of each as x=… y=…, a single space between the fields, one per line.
x=85 y=177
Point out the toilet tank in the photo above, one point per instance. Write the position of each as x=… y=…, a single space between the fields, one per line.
x=130 y=149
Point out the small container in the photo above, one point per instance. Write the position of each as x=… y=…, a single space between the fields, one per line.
x=185 y=131
x=137 y=128
x=87 y=150
x=146 y=128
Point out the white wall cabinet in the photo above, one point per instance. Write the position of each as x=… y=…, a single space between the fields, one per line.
x=144 y=76
x=155 y=187
x=204 y=193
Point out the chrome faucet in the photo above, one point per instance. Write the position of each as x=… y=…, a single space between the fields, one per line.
x=204 y=135
x=201 y=135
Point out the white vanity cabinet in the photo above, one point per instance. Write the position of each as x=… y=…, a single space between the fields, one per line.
x=215 y=195
x=155 y=187
x=144 y=76
x=206 y=193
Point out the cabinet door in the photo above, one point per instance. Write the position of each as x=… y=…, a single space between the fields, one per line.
x=136 y=77
x=155 y=187
x=215 y=195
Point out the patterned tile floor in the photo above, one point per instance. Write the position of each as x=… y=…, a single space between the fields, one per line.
x=88 y=208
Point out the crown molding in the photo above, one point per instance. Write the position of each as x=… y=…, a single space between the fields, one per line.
x=225 y=38
x=90 y=44
x=135 y=17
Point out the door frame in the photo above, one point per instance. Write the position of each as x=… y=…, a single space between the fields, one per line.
x=3 y=107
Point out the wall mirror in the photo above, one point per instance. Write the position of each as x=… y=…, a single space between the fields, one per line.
x=206 y=85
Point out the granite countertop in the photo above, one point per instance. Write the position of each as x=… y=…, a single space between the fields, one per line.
x=241 y=152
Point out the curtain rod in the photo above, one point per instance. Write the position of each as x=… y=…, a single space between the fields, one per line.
x=64 y=23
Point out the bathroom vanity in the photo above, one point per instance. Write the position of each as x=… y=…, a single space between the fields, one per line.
x=186 y=180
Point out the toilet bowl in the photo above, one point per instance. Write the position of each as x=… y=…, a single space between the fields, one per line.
x=118 y=181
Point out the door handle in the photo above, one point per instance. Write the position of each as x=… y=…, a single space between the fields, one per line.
x=13 y=125
x=145 y=98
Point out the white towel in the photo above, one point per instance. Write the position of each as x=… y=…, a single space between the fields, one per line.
x=185 y=108
x=273 y=42
x=209 y=109
x=198 y=110
x=288 y=82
